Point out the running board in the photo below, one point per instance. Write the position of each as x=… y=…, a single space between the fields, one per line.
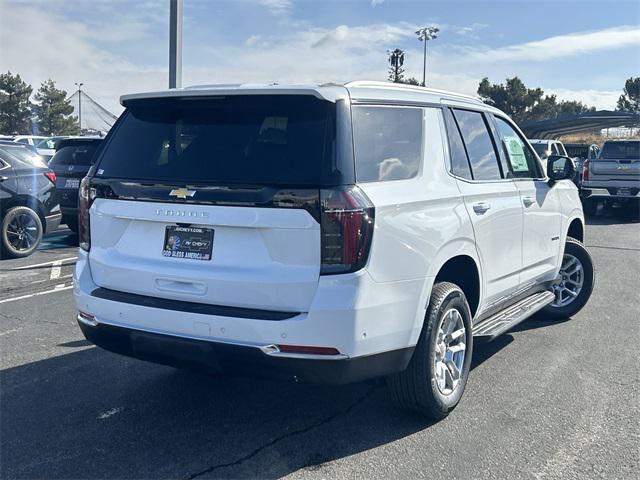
x=506 y=319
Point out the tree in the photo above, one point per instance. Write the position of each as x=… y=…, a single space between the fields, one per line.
x=513 y=98
x=54 y=111
x=14 y=104
x=522 y=103
x=396 y=60
x=629 y=101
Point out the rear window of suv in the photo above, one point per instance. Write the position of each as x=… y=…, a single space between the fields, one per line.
x=282 y=140
x=80 y=154
x=621 y=150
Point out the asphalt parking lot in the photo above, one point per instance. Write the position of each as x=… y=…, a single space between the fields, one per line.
x=549 y=400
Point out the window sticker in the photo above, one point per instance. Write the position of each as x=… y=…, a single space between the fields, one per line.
x=516 y=154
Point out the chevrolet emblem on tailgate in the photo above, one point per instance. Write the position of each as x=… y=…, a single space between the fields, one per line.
x=182 y=193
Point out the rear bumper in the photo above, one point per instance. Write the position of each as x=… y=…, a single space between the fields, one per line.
x=52 y=221
x=374 y=327
x=242 y=360
x=609 y=192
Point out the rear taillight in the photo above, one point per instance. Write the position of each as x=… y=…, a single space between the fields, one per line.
x=585 y=170
x=51 y=176
x=347 y=218
x=86 y=196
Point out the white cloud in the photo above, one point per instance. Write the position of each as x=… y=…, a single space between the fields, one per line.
x=601 y=99
x=560 y=46
x=277 y=7
x=375 y=3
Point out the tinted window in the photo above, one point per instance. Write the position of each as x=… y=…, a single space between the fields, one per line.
x=482 y=155
x=621 y=150
x=459 y=161
x=24 y=154
x=522 y=162
x=242 y=140
x=387 y=142
x=541 y=149
x=75 y=154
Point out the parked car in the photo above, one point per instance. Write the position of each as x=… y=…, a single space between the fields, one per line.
x=71 y=163
x=23 y=153
x=31 y=140
x=613 y=177
x=29 y=206
x=324 y=234
x=47 y=147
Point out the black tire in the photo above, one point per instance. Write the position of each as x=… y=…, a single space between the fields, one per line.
x=416 y=388
x=575 y=248
x=12 y=246
x=590 y=206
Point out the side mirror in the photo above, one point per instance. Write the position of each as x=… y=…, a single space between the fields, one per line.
x=560 y=168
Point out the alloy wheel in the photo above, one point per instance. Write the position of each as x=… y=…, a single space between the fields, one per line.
x=449 y=351
x=571 y=280
x=22 y=232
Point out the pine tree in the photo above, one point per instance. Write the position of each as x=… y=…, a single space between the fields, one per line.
x=54 y=111
x=629 y=101
x=14 y=104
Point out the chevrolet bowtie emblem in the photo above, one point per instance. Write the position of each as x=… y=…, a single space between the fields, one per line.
x=182 y=193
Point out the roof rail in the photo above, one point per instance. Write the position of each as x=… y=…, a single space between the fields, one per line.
x=405 y=86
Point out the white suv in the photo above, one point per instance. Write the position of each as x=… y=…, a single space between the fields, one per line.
x=327 y=233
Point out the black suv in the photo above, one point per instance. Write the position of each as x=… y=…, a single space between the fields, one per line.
x=29 y=205
x=71 y=162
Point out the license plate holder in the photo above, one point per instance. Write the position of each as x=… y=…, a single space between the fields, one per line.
x=72 y=183
x=624 y=192
x=193 y=243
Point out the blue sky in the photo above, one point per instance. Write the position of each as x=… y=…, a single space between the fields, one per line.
x=576 y=49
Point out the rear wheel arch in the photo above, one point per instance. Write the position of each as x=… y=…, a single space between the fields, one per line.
x=576 y=230
x=463 y=271
x=27 y=201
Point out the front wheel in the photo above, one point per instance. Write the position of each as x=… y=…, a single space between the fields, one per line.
x=434 y=381
x=575 y=282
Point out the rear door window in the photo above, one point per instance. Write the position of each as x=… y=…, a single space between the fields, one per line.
x=479 y=145
x=621 y=151
x=459 y=162
x=281 y=140
x=388 y=142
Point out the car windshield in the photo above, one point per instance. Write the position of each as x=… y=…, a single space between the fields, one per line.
x=80 y=154
x=242 y=140
x=621 y=150
x=24 y=154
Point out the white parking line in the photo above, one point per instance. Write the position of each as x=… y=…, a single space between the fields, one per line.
x=62 y=260
x=57 y=288
x=55 y=270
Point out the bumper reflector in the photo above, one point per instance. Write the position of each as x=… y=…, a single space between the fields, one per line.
x=308 y=350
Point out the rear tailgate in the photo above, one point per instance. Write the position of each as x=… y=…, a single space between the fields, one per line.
x=261 y=258
x=618 y=161
x=215 y=201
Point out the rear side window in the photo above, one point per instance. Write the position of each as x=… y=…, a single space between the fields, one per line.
x=75 y=155
x=522 y=162
x=477 y=140
x=459 y=161
x=388 y=142
x=621 y=151
x=281 y=140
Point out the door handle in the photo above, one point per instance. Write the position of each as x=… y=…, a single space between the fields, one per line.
x=528 y=201
x=481 y=207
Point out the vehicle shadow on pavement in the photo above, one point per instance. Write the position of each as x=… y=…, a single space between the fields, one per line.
x=93 y=414
x=613 y=216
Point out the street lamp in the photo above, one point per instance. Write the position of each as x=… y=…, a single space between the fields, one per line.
x=425 y=34
x=79 y=85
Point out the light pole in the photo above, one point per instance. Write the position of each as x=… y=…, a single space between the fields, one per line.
x=175 y=43
x=425 y=34
x=79 y=85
